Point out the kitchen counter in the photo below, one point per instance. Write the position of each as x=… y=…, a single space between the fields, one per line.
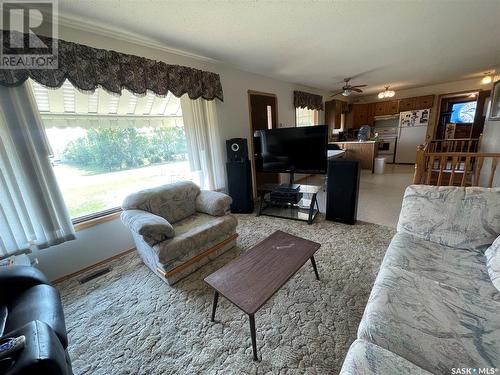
x=332 y=154
x=337 y=142
x=365 y=152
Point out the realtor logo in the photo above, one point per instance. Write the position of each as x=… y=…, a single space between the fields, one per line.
x=474 y=371
x=25 y=25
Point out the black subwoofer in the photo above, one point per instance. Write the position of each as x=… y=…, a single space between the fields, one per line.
x=342 y=190
x=239 y=186
x=237 y=149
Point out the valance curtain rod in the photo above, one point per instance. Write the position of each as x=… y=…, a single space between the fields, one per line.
x=88 y=68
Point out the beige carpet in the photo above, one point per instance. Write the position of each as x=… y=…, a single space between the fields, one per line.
x=130 y=322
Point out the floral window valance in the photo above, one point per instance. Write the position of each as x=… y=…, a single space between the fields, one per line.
x=88 y=68
x=303 y=99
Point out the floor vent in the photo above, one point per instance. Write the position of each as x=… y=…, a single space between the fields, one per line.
x=94 y=275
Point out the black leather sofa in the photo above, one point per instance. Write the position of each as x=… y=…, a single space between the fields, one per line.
x=30 y=306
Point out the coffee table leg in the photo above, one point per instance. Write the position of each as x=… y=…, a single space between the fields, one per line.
x=314 y=266
x=252 y=333
x=214 y=307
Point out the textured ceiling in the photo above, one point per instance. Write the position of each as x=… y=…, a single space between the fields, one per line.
x=317 y=43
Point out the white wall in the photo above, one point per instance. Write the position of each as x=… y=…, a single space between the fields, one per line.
x=91 y=246
x=490 y=143
x=105 y=240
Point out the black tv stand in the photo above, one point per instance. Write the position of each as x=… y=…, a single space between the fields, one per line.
x=299 y=205
x=289 y=188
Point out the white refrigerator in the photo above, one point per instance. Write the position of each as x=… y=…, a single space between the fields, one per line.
x=411 y=133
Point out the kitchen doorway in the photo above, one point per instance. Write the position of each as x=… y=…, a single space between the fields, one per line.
x=263 y=110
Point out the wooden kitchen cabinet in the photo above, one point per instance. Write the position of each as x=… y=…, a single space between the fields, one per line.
x=361 y=115
x=419 y=102
x=370 y=113
x=380 y=108
x=424 y=102
x=333 y=110
x=393 y=107
x=407 y=104
x=386 y=108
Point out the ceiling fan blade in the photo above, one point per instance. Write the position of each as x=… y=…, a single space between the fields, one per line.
x=359 y=86
x=336 y=93
x=356 y=89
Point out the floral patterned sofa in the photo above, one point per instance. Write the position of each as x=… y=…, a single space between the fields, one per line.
x=435 y=304
x=177 y=228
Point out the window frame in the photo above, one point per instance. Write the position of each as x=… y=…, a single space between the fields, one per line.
x=315 y=116
x=96 y=215
x=88 y=223
x=69 y=112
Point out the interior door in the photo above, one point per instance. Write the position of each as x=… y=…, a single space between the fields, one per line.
x=263 y=115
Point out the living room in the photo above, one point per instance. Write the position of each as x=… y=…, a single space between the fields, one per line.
x=128 y=188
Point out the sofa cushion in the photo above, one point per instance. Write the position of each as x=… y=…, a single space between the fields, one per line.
x=213 y=203
x=493 y=263
x=462 y=269
x=433 y=325
x=40 y=302
x=173 y=202
x=193 y=236
x=365 y=358
x=153 y=228
x=465 y=218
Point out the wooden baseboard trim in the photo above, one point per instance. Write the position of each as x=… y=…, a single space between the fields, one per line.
x=86 y=269
x=198 y=257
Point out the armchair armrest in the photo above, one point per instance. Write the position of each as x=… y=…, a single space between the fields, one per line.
x=16 y=279
x=42 y=353
x=153 y=228
x=21 y=277
x=213 y=203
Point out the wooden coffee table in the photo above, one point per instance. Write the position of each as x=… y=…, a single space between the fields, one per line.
x=251 y=279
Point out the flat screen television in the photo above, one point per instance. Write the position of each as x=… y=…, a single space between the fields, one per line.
x=292 y=150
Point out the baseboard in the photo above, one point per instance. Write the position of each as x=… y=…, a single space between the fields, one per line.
x=86 y=269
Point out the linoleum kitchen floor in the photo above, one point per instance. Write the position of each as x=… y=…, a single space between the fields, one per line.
x=380 y=195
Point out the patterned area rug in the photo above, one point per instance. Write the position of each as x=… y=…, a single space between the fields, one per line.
x=130 y=322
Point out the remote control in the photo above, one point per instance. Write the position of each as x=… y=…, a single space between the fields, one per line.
x=11 y=345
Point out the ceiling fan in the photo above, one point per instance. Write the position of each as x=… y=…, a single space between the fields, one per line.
x=347 y=89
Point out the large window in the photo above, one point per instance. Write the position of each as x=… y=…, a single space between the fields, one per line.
x=107 y=146
x=306 y=117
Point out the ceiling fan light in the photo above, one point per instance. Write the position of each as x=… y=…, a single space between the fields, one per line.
x=346 y=92
x=381 y=95
x=390 y=93
x=486 y=80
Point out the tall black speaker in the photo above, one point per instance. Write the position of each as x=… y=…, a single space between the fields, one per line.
x=239 y=186
x=342 y=190
x=237 y=149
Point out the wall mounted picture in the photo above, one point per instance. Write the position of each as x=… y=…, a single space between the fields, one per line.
x=495 y=102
